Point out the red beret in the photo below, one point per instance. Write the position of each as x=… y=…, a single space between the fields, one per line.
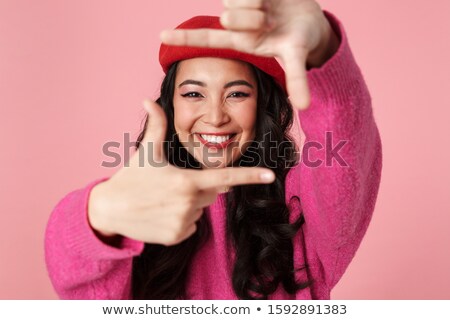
x=170 y=54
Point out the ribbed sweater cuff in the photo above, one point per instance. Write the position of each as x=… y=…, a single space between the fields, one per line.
x=81 y=239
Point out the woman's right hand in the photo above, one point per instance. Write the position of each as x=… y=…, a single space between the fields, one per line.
x=155 y=202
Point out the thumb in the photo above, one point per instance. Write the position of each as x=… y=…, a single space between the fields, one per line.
x=155 y=131
x=294 y=62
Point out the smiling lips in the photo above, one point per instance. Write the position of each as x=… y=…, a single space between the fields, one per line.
x=216 y=140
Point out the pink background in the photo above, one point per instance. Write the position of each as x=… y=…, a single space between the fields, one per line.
x=73 y=74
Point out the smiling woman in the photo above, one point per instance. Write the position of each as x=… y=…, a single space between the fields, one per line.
x=281 y=229
x=215 y=114
x=213 y=109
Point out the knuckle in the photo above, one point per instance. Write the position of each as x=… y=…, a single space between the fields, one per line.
x=190 y=203
x=187 y=209
x=260 y=19
x=244 y=19
x=174 y=236
x=187 y=206
x=179 y=217
x=227 y=177
x=184 y=181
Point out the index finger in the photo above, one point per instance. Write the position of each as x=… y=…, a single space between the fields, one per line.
x=228 y=177
x=210 y=38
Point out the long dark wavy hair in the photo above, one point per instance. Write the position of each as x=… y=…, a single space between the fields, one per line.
x=257 y=215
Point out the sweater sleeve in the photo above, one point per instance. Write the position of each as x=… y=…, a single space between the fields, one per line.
x=79 y=264
x=338 y=177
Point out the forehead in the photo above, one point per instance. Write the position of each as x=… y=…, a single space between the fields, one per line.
x=217 y=69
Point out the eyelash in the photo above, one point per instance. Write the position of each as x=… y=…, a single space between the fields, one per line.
x=191 y=95
x=236 y=94
x=240 y=94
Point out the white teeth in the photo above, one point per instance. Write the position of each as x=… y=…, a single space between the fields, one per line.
x=215 y=139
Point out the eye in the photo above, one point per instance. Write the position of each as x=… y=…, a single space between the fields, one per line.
x=192 y=94
x=238 y=94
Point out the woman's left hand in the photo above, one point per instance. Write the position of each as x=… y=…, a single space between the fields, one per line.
x=295 y=31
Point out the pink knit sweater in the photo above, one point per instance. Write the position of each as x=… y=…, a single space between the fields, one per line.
x=337 y=203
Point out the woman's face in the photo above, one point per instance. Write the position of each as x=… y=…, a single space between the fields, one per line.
x=215 y=103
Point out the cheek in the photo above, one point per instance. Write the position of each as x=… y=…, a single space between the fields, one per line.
x=183 y=119
x=246 y=119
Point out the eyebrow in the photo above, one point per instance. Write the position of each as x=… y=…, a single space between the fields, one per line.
x=226 y=86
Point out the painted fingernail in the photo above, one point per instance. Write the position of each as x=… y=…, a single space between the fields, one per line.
x=267 y=176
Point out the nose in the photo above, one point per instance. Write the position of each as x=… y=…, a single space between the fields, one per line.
x=216 y=114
